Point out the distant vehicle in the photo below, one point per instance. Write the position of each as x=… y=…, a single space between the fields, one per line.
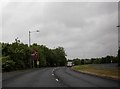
x=69 y=64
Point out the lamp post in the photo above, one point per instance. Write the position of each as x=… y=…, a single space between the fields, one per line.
x=29 y=36
x=30 y=44
x=118 y=37
x=118 y=45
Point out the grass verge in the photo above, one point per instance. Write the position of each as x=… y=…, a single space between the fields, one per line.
x=99 y=72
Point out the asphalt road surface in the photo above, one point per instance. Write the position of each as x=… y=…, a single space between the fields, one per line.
x=57 y=77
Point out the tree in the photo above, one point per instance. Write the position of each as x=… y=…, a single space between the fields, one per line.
x=60 y=56
x=19 y=55
x=76 y=61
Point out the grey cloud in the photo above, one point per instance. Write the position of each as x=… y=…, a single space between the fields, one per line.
x=75 y=14
x=84 y=29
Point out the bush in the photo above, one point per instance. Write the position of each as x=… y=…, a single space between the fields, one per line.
x=7 y=64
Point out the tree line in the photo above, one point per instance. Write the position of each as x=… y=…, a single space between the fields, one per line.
x=102 y=60
x=17 y=56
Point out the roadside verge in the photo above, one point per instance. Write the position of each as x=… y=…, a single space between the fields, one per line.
x=103 y=73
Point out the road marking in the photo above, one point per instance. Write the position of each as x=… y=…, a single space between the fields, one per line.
x=53 y=70
x=57 y=80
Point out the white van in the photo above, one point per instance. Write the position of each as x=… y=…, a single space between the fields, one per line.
x=69 y=64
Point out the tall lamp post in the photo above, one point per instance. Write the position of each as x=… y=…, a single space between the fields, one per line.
x=118 y=37
x=30 y=44
x=118 y=45
x=29 y=36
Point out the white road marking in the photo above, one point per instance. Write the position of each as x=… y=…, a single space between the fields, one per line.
x=53 y=70
x=57 y=80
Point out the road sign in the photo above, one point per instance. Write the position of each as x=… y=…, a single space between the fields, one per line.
x=34 y=55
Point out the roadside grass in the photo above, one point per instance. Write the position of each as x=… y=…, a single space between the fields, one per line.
x=113 y=73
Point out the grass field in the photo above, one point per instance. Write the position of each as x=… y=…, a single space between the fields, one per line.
x=113 y=73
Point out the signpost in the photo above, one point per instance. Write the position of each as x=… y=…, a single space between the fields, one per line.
x=35 y=58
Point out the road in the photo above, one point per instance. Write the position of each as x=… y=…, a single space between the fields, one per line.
x=57 y=77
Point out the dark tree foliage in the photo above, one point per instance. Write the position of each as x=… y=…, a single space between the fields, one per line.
x=18 y=53
x=102 y=60
x=76 y=61
x=18 y=56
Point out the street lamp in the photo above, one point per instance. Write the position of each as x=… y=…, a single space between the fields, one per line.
x=118 y=45
x=118 y=36
x=30 y=42
x=29 y=36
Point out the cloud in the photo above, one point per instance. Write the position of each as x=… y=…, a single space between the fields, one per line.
x=84 y=29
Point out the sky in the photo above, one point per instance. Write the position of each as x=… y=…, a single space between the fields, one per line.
x=84 y=29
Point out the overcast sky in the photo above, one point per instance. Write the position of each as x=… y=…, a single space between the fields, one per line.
x=84 y=29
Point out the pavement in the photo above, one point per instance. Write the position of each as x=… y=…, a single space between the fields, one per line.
x=57 y=77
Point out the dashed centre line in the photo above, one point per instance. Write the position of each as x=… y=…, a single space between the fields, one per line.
x=54 y=74
x=53 y=71
x=57 y=80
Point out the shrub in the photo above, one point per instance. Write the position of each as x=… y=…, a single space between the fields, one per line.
x=7 y=64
